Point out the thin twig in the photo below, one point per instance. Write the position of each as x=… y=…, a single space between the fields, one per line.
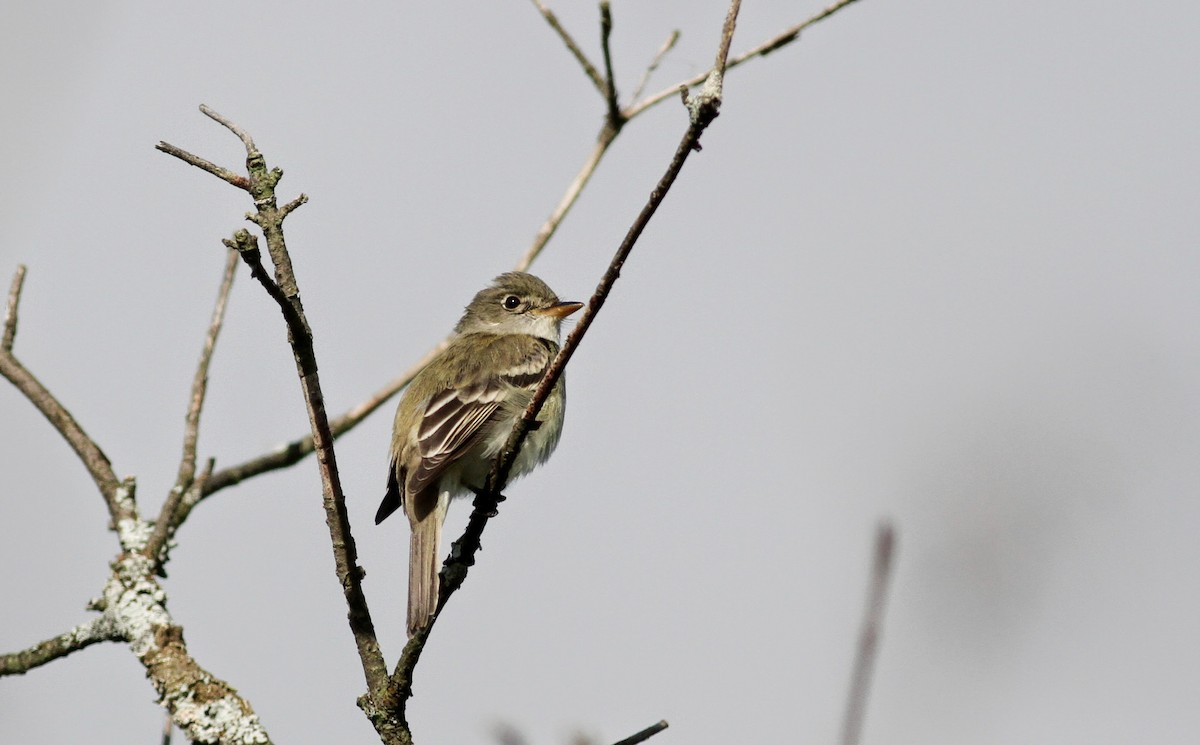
x=242 y=134
x=645 y=734
x=224 y=174
x=667 y=46
x=99 y=629
x=463 y=550
x=120 y=505
x=606 y=137
x=10 y=309
x=610 y=83
x=588 y=68
x=775 y=42
x=868 y=639
x=166 y=522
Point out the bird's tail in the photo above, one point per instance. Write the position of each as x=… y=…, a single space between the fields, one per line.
x=423 y=564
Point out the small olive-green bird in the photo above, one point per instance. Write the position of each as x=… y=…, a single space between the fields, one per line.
x=459 y=411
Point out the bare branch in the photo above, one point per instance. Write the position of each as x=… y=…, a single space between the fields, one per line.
x=588 y=68
x=780 y=40
x=667 y=46
x=99 y=629
x=120 y=505
x=10 y=309
x=291 y=206
x=868 y=640
x=224 y=174
x=242 y=134
x=645 y=734
x=727 y=36
x=607 y=135
x=166 y=523
x=610 y=83
x=285 y=291
x=187 y=465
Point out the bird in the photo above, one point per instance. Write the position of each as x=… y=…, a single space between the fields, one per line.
x=458 y=412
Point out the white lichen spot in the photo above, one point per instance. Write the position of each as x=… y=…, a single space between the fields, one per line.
x=222 y=720
x=135 y=603
x=133 y=533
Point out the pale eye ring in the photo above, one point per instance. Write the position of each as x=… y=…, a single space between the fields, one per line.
x=511 y=302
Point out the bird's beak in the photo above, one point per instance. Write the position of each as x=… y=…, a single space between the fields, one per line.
x=559 y=310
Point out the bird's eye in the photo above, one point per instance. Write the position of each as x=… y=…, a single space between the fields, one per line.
x=511 y=302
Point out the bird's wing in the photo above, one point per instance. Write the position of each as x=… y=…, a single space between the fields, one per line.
x=456 y=417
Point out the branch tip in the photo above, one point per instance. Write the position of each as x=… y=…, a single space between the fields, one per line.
x=588 y=68
x=10 y=309
x=242 y=134
x=645 y=734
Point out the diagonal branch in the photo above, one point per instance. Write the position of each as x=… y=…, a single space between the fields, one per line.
x=166 y=524
x=868 y=640
x=462 y=554
x=99 y=629
x=224 y=174
x=667 y=46
x=607 y=135
x=645 y=734
x=588 y=68
x=120 y=504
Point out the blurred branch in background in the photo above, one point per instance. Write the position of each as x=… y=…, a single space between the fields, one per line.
x=868 y=639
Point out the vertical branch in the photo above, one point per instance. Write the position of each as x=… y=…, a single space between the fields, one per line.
x=166 y=524
x=10 y=309
x=610 y=83
x=284 y=290
x=868 y=639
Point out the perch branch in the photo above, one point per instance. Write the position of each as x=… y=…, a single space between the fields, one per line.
x=301 y=447
x=462 y=554
x=868 y=639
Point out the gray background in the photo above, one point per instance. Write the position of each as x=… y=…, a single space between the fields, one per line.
x=936 y=262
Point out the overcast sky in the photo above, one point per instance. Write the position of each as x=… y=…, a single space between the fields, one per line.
x=937 y=262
